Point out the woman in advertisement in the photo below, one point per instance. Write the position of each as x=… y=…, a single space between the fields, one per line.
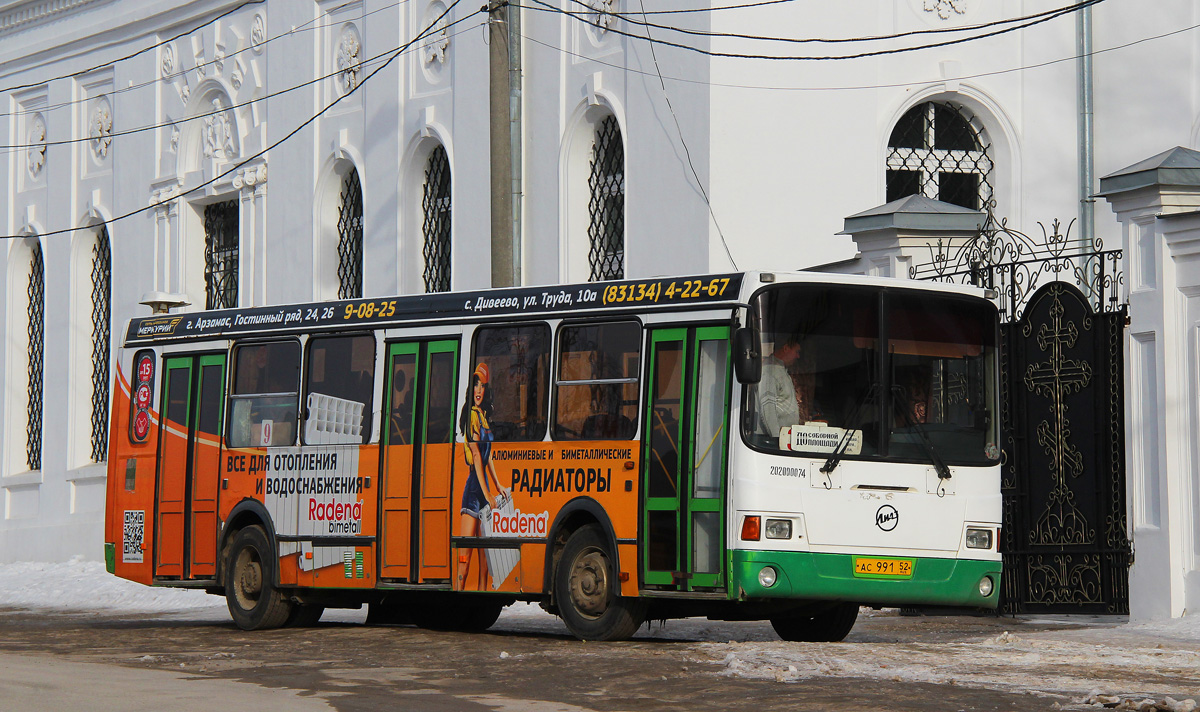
x=481 y=479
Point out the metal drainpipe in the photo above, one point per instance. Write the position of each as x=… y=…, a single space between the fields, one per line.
x=516 y=128
x=1087 y=148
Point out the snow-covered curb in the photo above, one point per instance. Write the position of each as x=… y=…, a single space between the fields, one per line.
x=79 y=585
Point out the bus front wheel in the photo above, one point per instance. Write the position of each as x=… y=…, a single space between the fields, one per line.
x=587 y=590
x=250 y=592
x=829 y=625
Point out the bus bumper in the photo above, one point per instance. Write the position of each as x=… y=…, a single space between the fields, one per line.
x=831 y=577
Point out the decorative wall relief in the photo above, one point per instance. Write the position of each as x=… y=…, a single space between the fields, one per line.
x=349 y=60
x=438 y=41
x=35 y=139
x=945 y=8
x=220 y=136
x=100 y=129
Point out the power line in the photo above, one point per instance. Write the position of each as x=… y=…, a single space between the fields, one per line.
x=860 y=87
x=420 y=36
x=835 y=40
x=135 y=54
x=7 y=149
x=303 y=27
x=712 y=9
x=546 y=7
x=687 y=153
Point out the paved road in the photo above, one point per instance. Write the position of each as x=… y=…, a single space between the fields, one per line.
x=199 y=661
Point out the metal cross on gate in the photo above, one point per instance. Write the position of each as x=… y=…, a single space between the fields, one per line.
x=1055 y=379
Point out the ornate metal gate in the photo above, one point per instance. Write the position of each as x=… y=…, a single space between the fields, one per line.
x=1064 y=540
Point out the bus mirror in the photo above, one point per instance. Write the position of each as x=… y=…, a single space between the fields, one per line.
x=747 y=361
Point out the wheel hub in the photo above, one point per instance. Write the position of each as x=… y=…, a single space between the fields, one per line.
x=248 y=581
x=589 y=584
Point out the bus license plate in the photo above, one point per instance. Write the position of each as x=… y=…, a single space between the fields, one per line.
x=883 y=568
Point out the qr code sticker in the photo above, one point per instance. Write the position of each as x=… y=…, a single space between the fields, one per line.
x=131 y=542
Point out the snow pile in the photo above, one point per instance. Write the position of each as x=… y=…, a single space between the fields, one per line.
x=79 y=585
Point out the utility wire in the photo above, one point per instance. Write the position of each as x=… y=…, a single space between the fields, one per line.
x=303 y=27
x=713 y=9
x=862 y=87
x=686 y=152
x=420 y=36
x=6 y=149
x=542 y=6
x=870 y=38
x=137 y=53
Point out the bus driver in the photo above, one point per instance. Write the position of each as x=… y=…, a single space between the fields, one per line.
x=778 y=400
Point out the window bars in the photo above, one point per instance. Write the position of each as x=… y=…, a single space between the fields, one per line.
x=221 y=255
x=350 y=238
x=940 y=151
x=37 y=313
x=436 y=206
x=606 y=204
x=101 y=329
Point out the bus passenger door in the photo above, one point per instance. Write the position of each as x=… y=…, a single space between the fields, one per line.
x=684 y=459
x=416 y=465
x=206 y=466
x=189 y=467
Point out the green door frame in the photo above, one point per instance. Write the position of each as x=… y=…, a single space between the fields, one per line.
x=686 y=504
x=422 y=351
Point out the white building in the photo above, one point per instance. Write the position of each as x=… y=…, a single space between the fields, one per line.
x=223 y=152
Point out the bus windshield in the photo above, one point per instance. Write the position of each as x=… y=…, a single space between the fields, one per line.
x=828 y=386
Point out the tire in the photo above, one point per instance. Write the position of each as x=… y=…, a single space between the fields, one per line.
x=829 y=625
x=254 y=602
x=304 y=615
x=587 y=590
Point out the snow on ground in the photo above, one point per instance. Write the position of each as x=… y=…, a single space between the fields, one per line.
x=1078 y=656
x=79 y=585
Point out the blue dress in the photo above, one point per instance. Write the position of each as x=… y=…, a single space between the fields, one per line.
x=473 y=500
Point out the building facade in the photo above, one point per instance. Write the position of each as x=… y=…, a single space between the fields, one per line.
x=215 y=153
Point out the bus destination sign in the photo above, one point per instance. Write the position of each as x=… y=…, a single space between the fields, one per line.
x=644 y=293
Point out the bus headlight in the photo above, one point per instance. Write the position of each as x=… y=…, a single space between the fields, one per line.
x=979 y=538
x=767 y=577
x=985 y=586
x=779 y=529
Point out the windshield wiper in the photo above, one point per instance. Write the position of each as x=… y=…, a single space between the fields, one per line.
x=851 y=426
x=939 y=464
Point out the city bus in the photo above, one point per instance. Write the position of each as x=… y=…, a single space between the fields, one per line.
x=748 y=446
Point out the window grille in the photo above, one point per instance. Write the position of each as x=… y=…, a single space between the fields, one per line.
x=37 y=312
x=436 y=205
x=606 y=206
x=940 y=151
x=101 y=329
x=221 y=255
x=350 y=238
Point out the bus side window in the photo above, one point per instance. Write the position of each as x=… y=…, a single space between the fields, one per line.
x=338 y=388
x=516 y=360
x=596 y=391
x=266 y=395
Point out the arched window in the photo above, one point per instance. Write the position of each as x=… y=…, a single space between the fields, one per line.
x=940 y=151
x=350 y=238
x=101 y=330
x=436 y=206
x=36 y=313
x=221 y=255
x=606 y=204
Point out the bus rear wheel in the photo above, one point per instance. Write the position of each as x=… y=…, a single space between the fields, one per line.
x=828 y=625
x=254 y=602
x=587 y=590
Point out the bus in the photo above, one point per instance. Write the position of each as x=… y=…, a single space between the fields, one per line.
x=748 y=446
